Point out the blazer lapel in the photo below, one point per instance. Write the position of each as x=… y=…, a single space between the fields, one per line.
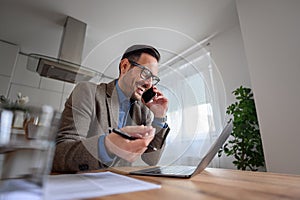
x=112 y=104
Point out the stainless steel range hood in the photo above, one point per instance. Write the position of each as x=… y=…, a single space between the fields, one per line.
x=67 y=67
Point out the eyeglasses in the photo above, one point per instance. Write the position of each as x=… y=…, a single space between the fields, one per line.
x=145 y=73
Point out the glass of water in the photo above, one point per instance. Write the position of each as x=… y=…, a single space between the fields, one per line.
x=27 y=143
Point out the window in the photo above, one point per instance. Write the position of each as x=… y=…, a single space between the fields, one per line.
x=196 y=95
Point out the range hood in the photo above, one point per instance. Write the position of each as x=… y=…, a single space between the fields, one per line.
x=67 y=67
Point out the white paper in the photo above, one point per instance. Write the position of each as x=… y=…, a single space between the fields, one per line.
x=88 y=185
x=19 y=189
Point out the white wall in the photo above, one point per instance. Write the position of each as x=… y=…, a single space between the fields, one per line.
x=271 y=34
x=227 y=51
x=15 y=78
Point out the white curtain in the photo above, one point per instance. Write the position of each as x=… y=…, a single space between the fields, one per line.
x=196 y=96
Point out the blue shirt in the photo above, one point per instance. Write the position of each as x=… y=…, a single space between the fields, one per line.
x=124 y=106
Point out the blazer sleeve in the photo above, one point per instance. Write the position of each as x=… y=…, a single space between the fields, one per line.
x=75 y=151
x=150 y=156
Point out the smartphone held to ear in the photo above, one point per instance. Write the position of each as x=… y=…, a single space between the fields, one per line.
x=148 y=95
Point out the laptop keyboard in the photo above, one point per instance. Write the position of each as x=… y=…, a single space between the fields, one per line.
x=173 y=170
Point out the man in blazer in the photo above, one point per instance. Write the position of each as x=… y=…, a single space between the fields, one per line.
x=85 y=140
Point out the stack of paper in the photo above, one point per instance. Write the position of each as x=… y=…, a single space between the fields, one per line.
x=88 y=185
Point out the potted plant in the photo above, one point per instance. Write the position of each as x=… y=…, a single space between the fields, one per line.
x=245 y=145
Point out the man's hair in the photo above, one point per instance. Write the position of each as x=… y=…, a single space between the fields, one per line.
x=134 y=52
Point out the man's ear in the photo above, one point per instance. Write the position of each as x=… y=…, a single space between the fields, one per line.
x=124 y=66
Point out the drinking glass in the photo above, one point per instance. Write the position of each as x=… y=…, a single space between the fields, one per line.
x=27 y=143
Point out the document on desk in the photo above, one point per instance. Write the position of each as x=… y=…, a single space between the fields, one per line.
x=88 y=185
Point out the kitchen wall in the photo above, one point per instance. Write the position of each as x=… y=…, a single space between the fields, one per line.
x=15 y=78
x=8 y=59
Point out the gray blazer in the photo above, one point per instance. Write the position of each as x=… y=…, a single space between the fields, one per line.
x=89 y=111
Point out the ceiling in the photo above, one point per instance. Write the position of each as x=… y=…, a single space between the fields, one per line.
x=112 y=25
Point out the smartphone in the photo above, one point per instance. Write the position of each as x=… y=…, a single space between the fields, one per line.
x=148 y=95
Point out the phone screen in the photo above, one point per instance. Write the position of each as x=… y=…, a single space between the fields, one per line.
x=148 y=95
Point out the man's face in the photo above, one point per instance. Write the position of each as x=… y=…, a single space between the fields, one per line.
x=130 y=80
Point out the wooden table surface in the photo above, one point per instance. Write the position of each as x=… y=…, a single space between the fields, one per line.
x=214 y=183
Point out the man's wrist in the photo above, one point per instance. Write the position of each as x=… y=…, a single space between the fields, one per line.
x=160 y=122
x=104 y=154
x=109 y=153
x=161 y=119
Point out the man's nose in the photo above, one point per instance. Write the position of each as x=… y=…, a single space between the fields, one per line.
x=148 y=82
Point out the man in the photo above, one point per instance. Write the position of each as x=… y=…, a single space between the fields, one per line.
x=85 y=140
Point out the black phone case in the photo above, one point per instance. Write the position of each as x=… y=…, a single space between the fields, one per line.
x=148 y=95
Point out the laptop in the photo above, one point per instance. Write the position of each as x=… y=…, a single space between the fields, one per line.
x=189 y=171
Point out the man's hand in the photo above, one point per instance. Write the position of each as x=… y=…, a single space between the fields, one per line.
x=130 y=150
x=159 y=104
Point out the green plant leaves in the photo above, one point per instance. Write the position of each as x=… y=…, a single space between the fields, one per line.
x=246 y=145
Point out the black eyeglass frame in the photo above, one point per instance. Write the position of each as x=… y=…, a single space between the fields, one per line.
x=155 y=79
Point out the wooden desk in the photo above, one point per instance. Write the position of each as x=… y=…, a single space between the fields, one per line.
x=216 y=183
